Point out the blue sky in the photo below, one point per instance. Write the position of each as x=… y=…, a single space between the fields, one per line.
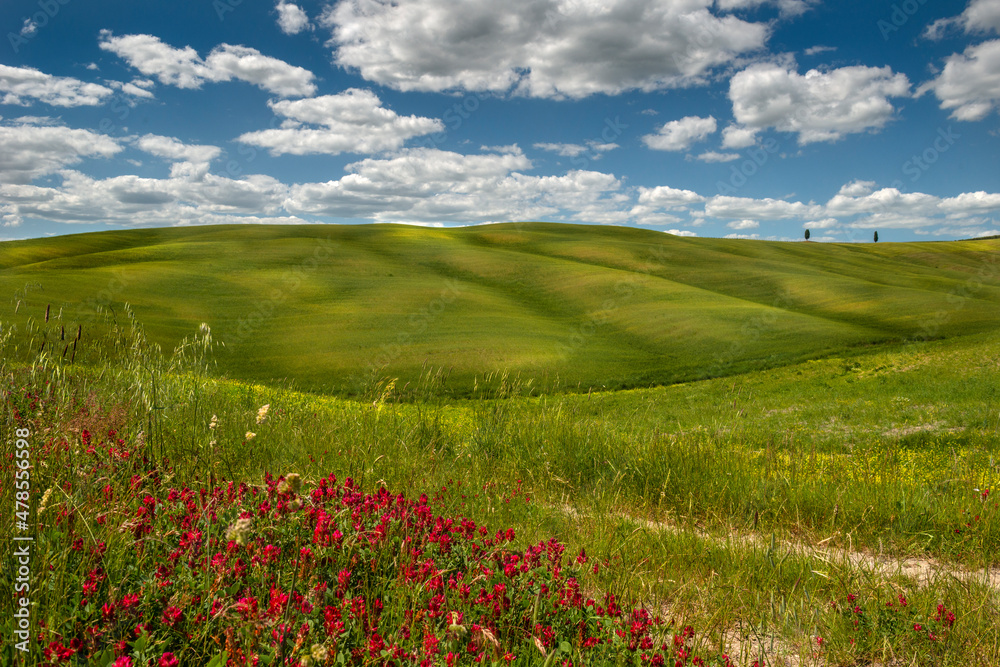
x=754 y=118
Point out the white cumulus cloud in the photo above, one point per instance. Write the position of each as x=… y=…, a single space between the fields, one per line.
x=715 y=156
x=819 y=105
x=353 y=121
x=661 y=205
x=969 y=84
x=891 y=208
x=721 y=206
x=505 y=148
x=971 y=203
x=29 y=28
x=430 y=185
x=29 y=150
x=816 y=50
x=191 y=160
x=184 y=68
x=134 y=201
x=565 y=150
x=595 y=148
x=825 y=223
x=23 y=85
x=787 y=7
x=540 y=48
x=857 y=188
x=664 y=196
x=734 y=136
x=679 y=135
x=174 y=149
x=292 y=19
x=979 y=16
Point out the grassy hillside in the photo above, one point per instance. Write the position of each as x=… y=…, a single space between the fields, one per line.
x=568 y=305
x=825 y=511
x=832 y=512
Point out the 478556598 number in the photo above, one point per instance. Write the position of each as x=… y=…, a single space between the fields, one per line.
x=22 y=477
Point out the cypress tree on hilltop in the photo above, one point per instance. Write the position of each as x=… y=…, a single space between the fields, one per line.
x=807 y=235
x=876 y=237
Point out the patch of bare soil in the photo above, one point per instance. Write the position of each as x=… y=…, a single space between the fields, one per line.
x=923 y=571
x=779 y=651
x=931 y=427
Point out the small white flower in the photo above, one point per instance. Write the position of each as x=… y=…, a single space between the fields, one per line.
x=262 y=413
x=250 y=435
x=239 y=531
x=215 y=422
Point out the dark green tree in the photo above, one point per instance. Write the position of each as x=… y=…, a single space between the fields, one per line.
x=876 y=237
x=807 y=235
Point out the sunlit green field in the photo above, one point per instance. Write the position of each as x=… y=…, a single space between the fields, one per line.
x=574 y=307
x=796 y=499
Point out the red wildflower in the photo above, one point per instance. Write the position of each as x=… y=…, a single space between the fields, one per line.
x=431 y=645
x=171 y=616
x=375 y=645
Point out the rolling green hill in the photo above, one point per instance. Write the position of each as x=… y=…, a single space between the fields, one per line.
x=569 y=305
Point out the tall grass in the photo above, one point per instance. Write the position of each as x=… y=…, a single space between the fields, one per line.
x=708 y=504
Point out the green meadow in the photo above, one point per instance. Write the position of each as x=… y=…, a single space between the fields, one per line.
x=786 y=453
x=573 y=307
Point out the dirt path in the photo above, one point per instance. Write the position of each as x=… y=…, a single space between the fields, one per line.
x=923 y=571
x=782 y=651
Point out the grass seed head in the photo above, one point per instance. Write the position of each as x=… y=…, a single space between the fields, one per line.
x=292 y=482
x=45 y=500
x=262 y=413
x=239 y=532
x=319 y=653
